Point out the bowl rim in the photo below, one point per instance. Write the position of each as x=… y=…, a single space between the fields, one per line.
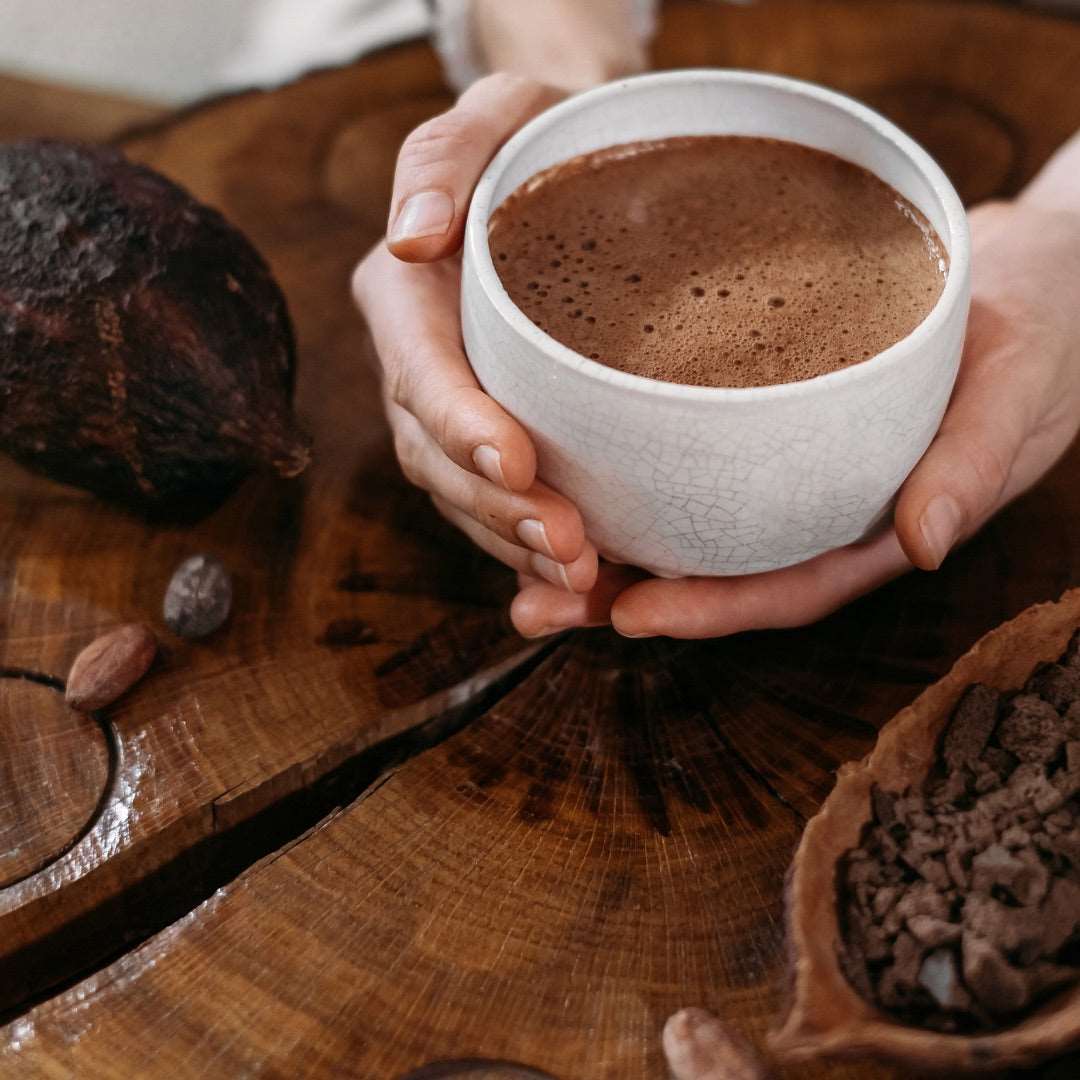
x=479 y=261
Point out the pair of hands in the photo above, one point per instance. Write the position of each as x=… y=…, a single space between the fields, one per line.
x=1015 y=409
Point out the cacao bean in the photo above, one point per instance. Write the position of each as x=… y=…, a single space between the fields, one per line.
x=109 y=666
x=199 y=597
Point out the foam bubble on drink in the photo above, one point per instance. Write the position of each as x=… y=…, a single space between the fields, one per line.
x=717 y=260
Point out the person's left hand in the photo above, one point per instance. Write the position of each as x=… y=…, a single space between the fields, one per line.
x=1015 y=410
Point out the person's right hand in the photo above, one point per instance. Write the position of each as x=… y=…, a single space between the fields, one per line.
x=451 y=439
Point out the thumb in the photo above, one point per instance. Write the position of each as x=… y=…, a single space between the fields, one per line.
x=967 y=473
x=441 y=161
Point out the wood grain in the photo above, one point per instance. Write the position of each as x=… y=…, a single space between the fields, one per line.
x=355 y=659
x=525 y=878
x=602 y=844
x=32 y=108
x=54 y=772
x=982 y=86
x=340 y=579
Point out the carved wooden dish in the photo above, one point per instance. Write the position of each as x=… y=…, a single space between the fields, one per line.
x=827 y=1017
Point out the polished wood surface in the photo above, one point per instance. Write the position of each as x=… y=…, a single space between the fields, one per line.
x=54 y=771
x=31 y=108
x=520 y=854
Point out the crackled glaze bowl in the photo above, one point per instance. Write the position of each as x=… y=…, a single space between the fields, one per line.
x=687 y=480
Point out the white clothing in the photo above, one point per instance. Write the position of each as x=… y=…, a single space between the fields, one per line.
x=172 y=51
x=454 y=40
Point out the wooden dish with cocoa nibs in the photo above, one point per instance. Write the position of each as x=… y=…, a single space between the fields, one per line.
x=826 y=1015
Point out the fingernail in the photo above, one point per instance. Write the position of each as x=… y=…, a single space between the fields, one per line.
x=940 y=526
x=533 y=534
x=623 y=633
x=550 y=570
x=489 y=461
x=427 y=213
x=544 y=631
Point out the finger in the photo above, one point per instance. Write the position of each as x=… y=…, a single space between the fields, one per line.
x=538 y=609
x=794 y=596
x=412 y=313
x=966 y=473
x=698 y=1047
x=440 y=162
x=539 y=519
x=576 y=576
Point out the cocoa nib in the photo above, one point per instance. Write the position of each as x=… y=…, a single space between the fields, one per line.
x=145 y=350
x=1057 y=684
x=1033 y=730
x=972 y=725
x=961 y=906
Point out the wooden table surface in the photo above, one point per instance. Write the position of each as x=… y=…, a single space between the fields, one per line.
x=366 y=828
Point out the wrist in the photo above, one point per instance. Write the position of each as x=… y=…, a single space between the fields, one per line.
x=563 y=43
x=1057 y=186
x=1025 y=264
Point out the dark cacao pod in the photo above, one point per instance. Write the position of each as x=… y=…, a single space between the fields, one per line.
x=146 y=352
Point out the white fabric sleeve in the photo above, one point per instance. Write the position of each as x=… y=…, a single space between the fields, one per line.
x=645 y=18
x=453 y=37
x=285 y=38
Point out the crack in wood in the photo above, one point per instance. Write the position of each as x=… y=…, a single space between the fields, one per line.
x=755 y=772
x=476 y=1069
x=687 y=691
x=802 y=706
x=750 y=767
x=112 y=752
x=176 y=888
x=35 y=677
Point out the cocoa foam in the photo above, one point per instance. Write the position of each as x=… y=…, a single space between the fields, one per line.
x=717 y=260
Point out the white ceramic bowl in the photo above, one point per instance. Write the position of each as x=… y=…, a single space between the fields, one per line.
x=705 y=480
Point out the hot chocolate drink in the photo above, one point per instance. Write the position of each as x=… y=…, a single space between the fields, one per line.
x=717 y=260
